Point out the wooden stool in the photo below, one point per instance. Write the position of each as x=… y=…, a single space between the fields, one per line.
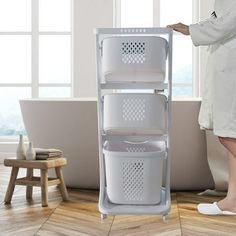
x=30 y=180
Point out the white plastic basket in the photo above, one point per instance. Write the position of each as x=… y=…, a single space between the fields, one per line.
x=134 y=59
x=135 y=114
x=134 y=172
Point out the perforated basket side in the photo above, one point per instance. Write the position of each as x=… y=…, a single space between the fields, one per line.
x=133 y=52
x=135 y=113
x=134 y=58
x=133 y=172
x=134 y=109
x=133 y=180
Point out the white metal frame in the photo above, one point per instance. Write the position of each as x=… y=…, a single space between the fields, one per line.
x=156 y=23
x=105 y=206
x=35 y=33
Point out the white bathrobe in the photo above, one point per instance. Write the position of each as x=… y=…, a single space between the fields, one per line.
x=218 y=108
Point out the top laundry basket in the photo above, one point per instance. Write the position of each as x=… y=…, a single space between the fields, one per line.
x=134 y=59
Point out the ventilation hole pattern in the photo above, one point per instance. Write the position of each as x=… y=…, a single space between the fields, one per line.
x=133 y=30
x=135 y=149
x=133 y=109
x=133 y=181
x=133 y=52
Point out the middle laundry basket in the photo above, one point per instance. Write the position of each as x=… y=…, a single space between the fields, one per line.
x=135 y=114
x=134 y=171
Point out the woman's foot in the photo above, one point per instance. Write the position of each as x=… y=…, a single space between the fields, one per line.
x=227 y=204
x=213 y=209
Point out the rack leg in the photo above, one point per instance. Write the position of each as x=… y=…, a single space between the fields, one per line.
x=103 y=216
x=165 y=218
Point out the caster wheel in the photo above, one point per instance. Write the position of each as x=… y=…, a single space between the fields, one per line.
x=165 y=218
x=103 y=216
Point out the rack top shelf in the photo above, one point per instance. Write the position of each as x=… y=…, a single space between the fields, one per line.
x=120 y=31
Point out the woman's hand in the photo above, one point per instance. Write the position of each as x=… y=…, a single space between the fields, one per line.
x=180 y=27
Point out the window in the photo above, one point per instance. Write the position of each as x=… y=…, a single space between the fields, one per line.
x=159 y=13
x=136 y=13
x=35 y=58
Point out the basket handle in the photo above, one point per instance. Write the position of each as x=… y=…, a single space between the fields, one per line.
x=135 y=142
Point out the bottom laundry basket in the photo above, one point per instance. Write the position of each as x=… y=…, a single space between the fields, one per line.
x=134 y=172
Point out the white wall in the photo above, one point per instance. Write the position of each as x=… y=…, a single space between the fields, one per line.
x=88 y=14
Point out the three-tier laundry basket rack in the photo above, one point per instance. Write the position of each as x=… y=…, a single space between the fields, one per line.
x=134 y=81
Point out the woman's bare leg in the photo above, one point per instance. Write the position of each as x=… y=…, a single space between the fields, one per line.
x=230 y=144
x=229 y=202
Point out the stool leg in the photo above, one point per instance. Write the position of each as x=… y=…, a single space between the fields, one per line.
x=62 y=185
x=44 y=187
x=29 y=189
x=11 y=185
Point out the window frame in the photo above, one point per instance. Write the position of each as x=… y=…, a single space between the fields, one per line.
x=195 y=85
x=35 y=85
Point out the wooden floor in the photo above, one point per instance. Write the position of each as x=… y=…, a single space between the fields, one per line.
x=80 y=216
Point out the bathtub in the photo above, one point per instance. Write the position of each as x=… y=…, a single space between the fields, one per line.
x=70 y=125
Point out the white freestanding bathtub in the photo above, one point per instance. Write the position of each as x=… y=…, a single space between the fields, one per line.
x=70 y=125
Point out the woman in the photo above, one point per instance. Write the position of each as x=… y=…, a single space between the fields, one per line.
x=218 y=108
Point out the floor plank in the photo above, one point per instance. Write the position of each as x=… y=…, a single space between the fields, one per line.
x=80 y=216
x=25 y=218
